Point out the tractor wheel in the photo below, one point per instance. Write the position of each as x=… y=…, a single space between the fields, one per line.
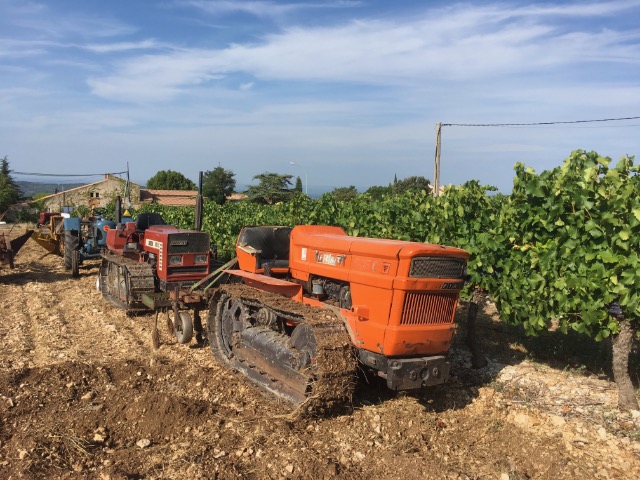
x=75 y=263
x=71 y=244
x=183 y=327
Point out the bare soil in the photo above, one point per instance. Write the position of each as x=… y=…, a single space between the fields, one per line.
x=83 y=394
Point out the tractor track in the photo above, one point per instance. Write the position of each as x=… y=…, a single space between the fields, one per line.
x=334 y=374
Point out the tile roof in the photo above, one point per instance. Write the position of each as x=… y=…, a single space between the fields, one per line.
x=173 y=198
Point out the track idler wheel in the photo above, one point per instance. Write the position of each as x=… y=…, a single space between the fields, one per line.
x=303 y=343
x=228 y=318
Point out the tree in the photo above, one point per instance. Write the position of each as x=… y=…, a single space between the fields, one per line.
x=273 y=188
x=411 y=184
x=218 y=184
x=344 y=194
x=170 y=180
x=9 y=190
x=298 y=187
x=378 y=192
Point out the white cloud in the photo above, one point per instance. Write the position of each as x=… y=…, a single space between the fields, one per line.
x=122 y=46
x=457 y=43
x=261 y=8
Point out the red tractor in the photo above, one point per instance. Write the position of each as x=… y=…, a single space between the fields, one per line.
x=148 y=265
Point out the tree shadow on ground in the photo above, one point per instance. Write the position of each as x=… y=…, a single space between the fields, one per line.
x=574 y=352
x=503 y=345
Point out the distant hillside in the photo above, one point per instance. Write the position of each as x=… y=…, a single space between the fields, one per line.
x=29 y=189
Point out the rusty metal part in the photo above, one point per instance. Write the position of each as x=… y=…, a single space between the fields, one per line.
x=123 y=282
x=51 y=235
x=155 y=334
x=314 y=368
x=9 y=252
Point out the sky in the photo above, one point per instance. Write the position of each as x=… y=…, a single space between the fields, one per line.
x=337 y=92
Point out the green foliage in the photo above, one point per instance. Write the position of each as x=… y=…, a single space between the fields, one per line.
x=344 y=194
x=561 y=247
x=298 y=187
x=570 y=242
x=411 y=184
x=170 y=180
x=9 y=191
x=272 y=188
x=218 y=184
x=378 y=192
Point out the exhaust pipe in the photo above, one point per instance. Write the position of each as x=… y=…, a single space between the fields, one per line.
x=198 y=216
x=118 y=212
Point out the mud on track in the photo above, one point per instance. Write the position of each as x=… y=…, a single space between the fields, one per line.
x=83 y=394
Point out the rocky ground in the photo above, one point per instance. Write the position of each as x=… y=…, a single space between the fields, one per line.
x=83 y=394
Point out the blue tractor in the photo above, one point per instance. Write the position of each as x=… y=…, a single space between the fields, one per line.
x=83 y=240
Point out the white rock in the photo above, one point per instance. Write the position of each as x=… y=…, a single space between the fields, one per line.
x=635 y=414
x=143 y=443
x=557 y=420
x=87 y=396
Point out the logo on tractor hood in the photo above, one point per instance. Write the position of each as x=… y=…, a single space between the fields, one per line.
x=178 y=243
x=330 y=258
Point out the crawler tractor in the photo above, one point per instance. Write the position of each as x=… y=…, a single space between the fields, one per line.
x=307 y=305
x=148 y=265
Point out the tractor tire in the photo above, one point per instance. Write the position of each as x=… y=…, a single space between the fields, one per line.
x=71 y=245
x=183 y=327
x=75 y=264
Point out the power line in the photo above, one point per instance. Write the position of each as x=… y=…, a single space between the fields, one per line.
x=70 y=175
x=535 y=123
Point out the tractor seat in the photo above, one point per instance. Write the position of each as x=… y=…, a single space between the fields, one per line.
x=270 y=243
x=146 y=220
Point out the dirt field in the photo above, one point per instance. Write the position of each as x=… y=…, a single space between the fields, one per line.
x=83 y=394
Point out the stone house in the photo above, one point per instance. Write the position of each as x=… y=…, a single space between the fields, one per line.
x=93 y=195
x=100 y=194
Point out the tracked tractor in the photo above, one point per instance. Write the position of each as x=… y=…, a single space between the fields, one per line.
x=307 y=307
x=148 y=265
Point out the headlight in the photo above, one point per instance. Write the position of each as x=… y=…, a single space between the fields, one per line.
x=200 y=259
x=175 y=260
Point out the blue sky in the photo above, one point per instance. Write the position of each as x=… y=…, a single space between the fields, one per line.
x=348 y=90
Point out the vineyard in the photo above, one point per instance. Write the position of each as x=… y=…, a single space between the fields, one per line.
x=83 y=393
x=561 y=250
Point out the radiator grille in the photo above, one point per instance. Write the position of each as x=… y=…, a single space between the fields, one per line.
x=187 y=270
x=188 y=242
x=428 y=308
x=436 y=267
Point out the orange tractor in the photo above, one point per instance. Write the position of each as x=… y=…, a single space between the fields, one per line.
x=307 y=305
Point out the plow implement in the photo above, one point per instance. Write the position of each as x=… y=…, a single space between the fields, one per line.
x=10 y=250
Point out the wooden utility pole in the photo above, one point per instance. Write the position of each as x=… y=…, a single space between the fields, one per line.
x=436 y=173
